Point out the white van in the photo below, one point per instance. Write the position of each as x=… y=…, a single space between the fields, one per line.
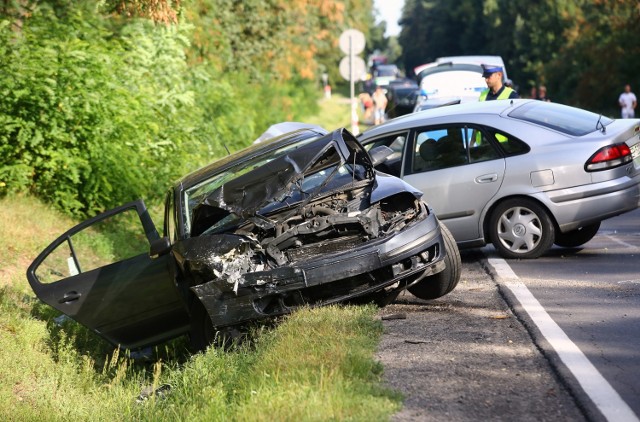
x=454 y=79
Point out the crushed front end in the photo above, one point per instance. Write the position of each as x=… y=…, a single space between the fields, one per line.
x=312 y=226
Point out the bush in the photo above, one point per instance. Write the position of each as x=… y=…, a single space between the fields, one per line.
x=98 y=111
x=86 y=118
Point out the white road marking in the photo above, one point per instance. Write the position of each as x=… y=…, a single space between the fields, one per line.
x=629 y=281
x=620 y=242
x=606 y=399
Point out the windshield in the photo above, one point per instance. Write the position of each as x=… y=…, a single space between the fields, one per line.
x=453 y=83
x=279 y=178
x=197 y=194
x=386 y=70
x=565 y=119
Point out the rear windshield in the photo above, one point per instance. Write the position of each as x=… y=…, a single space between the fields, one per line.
x=565 y=119
x=387 y=70
x=448 y=67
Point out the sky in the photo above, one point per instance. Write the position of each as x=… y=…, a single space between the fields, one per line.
x=389 y=11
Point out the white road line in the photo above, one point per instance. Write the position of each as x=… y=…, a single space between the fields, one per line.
x=606 y=399
x=620 y=242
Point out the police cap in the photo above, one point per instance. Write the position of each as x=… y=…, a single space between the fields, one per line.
x=488 y=70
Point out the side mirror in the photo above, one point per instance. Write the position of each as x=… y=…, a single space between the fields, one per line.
x=159 y=247
x=380 y=154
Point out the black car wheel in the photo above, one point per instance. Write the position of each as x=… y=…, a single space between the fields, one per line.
x=440 y=284
x=577 y=237
x=521 y=228
x=202 y=332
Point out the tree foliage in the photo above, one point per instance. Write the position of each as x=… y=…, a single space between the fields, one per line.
x=165 y=11
x=92 y=114
x=566 y=44
x=104 y=102
x=275 y=40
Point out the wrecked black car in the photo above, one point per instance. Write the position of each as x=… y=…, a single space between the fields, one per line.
x=300 y=220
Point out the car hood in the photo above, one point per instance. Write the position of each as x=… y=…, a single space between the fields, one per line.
x=272 y=182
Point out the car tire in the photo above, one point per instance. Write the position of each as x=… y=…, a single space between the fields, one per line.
x=521 y=228
x=445 y=281
x=201 y=333
x=577 y=237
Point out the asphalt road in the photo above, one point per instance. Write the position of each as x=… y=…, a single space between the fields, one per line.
x=467 y=357
x=593 y=294
x=475 y=354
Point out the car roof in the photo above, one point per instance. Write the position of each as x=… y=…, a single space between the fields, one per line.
x=488 y=60
x=413 y=119
x=477 y=60
x=492 y=60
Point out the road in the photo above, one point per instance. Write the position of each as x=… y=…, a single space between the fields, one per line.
x=476 y=354
x=593 y=294
x=468 y=357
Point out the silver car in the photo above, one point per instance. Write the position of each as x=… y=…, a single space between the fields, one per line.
x=521 y=174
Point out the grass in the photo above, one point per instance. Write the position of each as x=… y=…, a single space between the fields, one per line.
x=335 y=112
x=315 y=365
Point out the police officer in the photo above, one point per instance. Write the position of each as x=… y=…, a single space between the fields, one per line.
x=497 y=90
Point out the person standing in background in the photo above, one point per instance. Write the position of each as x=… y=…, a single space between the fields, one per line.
x=367 y=105
x=380 y=104
x=542 y=94
x=628 y=103
x=496 y=90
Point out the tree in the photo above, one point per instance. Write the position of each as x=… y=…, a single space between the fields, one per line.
x=566 y=44
x=164 y=11
x=101 y=103
x=96 y=111
x=599 y=55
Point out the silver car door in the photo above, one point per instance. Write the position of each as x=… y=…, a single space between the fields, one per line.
x=459 y=170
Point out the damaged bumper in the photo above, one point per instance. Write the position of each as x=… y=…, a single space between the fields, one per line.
x=401 y=259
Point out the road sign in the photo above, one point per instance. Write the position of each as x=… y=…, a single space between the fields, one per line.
x=359 y=68
x=352 y=67
x=352 y=42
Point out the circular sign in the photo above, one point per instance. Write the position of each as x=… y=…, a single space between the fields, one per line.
x=351 y=41
x=359 y=68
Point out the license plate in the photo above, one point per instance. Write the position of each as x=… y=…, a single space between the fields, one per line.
x=635 y=150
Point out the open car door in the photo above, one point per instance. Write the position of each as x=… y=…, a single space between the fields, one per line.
x=100 y=274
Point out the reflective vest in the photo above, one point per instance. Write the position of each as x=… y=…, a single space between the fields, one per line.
x=504 y=95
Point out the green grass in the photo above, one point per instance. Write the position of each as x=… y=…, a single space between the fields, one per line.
x=335 y=112
x=315 y=365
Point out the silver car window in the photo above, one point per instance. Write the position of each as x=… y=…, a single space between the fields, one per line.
x=449 y=146
x=480 y=147
x=437 y=148
x=565 y=119
x=511 y=145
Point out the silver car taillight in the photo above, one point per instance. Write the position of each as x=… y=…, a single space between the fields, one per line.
x=609 y=157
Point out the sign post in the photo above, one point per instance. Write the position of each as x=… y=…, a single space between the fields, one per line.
x=351 y=67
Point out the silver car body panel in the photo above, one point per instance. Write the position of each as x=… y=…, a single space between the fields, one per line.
x=451 y=190
x=553 y=172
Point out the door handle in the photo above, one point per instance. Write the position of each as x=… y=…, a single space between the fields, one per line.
x=487 y=178
x=70 y=297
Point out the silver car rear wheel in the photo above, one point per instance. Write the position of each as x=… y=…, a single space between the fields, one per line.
x=520 y=228
x=577 y=237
